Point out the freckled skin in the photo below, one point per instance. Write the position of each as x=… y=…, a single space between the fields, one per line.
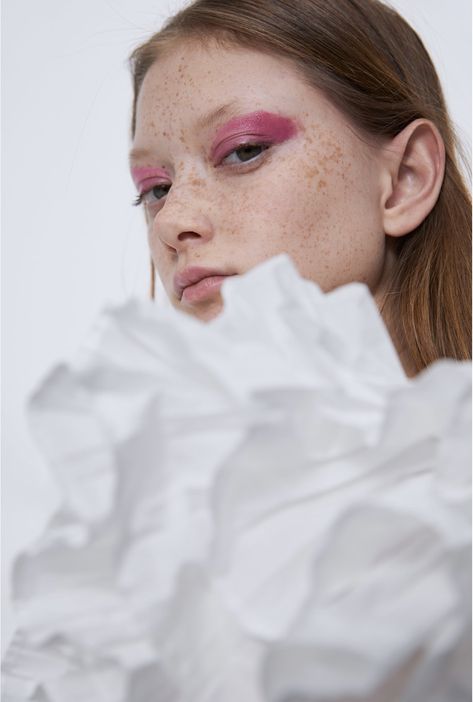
x=315 y=196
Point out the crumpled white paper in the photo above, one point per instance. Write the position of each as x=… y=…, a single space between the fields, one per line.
x=262 y=508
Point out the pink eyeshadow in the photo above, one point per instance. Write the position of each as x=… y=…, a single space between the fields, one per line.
x=144 y=173
x=262 y=125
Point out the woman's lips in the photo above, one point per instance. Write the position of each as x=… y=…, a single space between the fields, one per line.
x=205 y=289
x=194 y=283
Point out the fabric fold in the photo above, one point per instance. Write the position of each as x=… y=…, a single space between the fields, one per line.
x=259 y=508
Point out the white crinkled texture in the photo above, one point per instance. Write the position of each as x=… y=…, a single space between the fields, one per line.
x=260 y=508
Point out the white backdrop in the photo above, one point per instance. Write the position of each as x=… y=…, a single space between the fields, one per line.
x=71 y=240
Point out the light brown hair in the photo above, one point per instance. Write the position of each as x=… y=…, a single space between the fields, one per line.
x=374 y=68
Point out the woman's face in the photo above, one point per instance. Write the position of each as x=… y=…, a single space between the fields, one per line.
x=237 y=160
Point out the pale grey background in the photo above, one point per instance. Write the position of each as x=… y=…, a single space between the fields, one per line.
x=71 y=240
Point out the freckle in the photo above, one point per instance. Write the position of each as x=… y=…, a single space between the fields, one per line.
x=312 y=172
x=321 y=184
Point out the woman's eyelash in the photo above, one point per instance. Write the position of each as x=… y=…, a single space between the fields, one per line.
x=139 y=198
x=264 y=146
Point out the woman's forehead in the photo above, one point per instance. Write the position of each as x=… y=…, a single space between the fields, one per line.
x=196 y=73
x=199 y=86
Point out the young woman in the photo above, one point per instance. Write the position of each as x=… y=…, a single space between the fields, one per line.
x=264 y=508
x=319 y=130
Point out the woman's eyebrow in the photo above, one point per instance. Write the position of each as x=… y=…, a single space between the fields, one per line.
x=136 y=154
x=210 y=118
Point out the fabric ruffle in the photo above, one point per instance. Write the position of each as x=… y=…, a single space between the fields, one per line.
x=262 y=508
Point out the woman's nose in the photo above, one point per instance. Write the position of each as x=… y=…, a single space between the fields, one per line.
x=182 y=222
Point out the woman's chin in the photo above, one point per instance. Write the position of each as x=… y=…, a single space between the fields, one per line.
x=205 y=312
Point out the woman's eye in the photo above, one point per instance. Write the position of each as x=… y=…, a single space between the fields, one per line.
x=155 y=193
x=245 y=153
x=152 y=195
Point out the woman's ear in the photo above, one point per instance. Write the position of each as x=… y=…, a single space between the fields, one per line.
x=414 y=168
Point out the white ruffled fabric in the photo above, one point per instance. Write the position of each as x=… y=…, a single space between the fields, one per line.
x=262 y=508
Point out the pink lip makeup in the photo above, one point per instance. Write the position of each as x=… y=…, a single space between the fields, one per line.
x=204 y=289
x=261 y=125
x=145 y=175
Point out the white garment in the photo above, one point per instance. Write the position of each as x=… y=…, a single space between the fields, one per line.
x=261 y=508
